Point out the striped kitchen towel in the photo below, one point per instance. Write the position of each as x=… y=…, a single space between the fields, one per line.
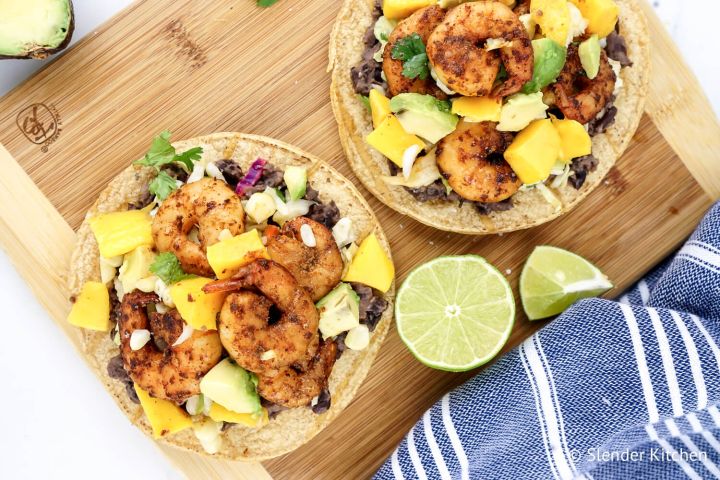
x=609 y=390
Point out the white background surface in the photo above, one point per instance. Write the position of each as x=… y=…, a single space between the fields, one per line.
x=58 y=422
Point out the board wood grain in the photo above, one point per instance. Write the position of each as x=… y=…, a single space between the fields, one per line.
x=228 y=66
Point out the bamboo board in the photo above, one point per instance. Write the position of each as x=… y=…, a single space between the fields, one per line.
x=227 y=66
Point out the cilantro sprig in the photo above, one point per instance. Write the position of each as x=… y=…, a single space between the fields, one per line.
x=163 y=153
x=265 y=3
x=168 y=268
x=411 y=51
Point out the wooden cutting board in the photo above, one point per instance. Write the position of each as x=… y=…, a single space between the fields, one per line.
x=200 y=67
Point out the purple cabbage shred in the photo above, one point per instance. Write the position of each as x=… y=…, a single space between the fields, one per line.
x=251 y=177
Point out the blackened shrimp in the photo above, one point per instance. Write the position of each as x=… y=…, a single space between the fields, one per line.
x=210 y=205
x=292 y=388
x=175 y=373
x=253 y=339
x=421 y=22
x=317 y=268
x=456 y=50
x=471 y=160
x=578 y=97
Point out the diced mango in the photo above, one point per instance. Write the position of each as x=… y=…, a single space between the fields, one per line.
x=553 y=17
x=371 y=265
x=164 y=416
x=602 y=15
x=574 y=139
x=227 y=256
x=478 y=109
x=118 y=233
x=391 y=139
x=534 y=151
x=221 y=414
x=398 y=9
x=197 y=308
x=379 y=106
x=91 y=308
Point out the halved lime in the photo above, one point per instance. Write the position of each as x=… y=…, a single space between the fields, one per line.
x=553 y=279
x=455 y=313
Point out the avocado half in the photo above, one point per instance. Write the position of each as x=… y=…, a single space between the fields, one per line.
x=35 y=28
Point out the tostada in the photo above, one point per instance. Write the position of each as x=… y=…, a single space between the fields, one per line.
x=233 y=292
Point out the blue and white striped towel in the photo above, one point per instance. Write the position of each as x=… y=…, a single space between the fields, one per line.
x=609 y=390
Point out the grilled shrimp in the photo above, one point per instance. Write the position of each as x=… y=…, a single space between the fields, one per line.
x=471 y=161
x=253 y=339
x=293 y=388
x=578 y=97
x=317 y=268
x=173 y=374
x=421 y=22
x=457 y=54
x=208 y=203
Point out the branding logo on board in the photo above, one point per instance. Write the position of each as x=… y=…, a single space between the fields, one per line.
x=40 y=124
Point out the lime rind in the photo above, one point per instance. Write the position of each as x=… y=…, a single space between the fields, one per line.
x=560 y=287
x=478 y=337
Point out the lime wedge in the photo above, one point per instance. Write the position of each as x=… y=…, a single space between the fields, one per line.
x=553 y=279
x=455 y=313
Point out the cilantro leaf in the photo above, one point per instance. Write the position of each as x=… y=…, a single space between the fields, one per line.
x=416 y=67
x=186 y=158
x=411 y=51
x=443 y=105
x=383 y=37
x=265 y=3
x=160 y=153
x=365 y=100
x=407 y=47
x=168 y=268
x=162 y=185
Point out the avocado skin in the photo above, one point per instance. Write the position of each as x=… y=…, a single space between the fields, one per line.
x=43 y=53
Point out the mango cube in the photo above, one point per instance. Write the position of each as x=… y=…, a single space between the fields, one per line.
x=391 y=139
x=227 y=256
x=379 y=106
x=574 y=139
x=91 y=309
x=371 y=266
x=118 y=233
x=534 y=151
x=197 y=308
x=221 y=414
x=602 y=15
x=478 y=109
x=553 y=17
x=164 y=416
x=398 y=9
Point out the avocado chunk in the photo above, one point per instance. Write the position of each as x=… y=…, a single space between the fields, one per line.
x=589 y=52
x=35 y=28
x=231 y=386
x=549 y=61
x=296 y=181
x=520 y=110
x=339 y=311
x=424 y=115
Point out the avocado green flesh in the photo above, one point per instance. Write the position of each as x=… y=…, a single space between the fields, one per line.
x=424 y=115
x=296 y=181
x=549 y=61
x=339 y=311
x=232 y=387
x=589 y=52
x=30 y=26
